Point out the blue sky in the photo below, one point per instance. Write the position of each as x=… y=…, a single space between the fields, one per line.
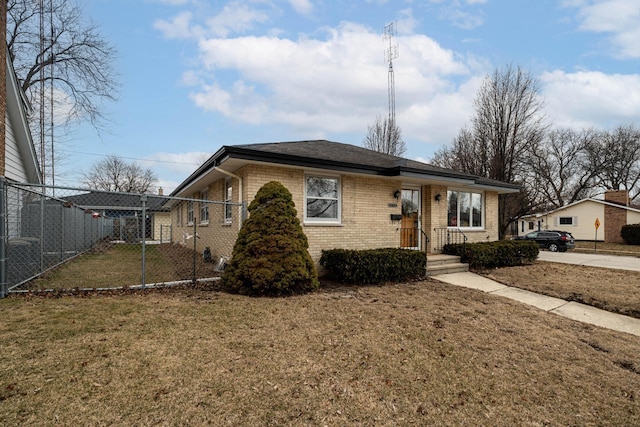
x=199 y=74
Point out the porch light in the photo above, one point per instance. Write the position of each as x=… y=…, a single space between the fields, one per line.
x=438 y=197
x=397 y=194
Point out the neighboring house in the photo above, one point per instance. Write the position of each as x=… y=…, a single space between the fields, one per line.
x=126 y=212
x=346 y=197
x=18 y=160
x=579 y=218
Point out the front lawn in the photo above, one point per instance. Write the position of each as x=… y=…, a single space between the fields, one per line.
x=419 y=354
x=612 y=290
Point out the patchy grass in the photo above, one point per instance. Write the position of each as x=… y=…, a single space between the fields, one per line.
x=114 y=265
x=418 y=354
x=612 y=290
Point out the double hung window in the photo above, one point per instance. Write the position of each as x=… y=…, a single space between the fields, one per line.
x=204 y=207
x=322 y=199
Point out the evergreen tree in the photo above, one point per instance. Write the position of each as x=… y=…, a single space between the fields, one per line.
x=270 y=256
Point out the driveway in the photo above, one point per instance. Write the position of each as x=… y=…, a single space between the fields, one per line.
x=592 y=260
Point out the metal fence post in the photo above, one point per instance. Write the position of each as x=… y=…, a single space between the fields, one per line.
x=3 y=239
x=143 y=199
x=194 y=249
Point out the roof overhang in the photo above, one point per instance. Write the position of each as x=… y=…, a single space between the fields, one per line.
x=232 y=158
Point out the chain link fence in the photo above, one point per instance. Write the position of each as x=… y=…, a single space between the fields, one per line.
x=61 y=238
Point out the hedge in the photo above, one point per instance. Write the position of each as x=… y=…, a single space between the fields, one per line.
x=631 y=234
x=503 y=253
x=374 y=266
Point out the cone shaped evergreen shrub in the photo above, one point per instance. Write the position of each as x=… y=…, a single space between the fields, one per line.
x=270 y=256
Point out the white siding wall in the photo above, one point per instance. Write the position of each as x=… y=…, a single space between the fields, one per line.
x=633 y=217
x=584 y=215
x=14 y=164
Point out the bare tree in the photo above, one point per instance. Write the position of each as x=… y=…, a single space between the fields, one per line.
x=508 y=120
x=385 y=137
x=75 y=57
x=564 y=167
x=115 y=174
x=619 y=150
x=65 y=68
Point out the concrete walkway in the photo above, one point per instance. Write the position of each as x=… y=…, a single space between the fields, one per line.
x=592 y=260
x=572 y=310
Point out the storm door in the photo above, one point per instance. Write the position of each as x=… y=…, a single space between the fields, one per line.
x=410 y=224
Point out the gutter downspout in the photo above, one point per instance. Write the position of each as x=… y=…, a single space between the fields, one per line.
x=233 y=175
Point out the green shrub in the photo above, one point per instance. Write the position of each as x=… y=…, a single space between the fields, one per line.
x=270 y=256
x=631 y=234
x=374 y=265
x=504 y=253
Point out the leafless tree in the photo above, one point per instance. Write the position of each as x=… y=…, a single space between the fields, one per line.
x=564 y=167
x=508 y=120
x=385 y=137
x=65 y=68
x=619 y=151
x=75 y=57
x=114 y=174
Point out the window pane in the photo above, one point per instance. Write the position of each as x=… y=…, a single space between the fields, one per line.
x=322 y=208
x=452 y=208
x=566 y=220
x=476 y=206
x=465 y=209
x=322 y=187
x=410 y=199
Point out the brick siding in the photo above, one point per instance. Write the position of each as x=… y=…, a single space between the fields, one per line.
x=367 y=205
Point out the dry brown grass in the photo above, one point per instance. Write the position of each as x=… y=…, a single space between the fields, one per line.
x=417 y=354
x=608 y=248
x=109 y=265
x=613 y=290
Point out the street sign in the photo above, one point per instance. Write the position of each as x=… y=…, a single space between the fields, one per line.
x=597 y=223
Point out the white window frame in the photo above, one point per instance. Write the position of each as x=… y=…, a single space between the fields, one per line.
x=483 y=209
x=204 y=207
x=320 y=221
x=228 y=198
x=190 y=212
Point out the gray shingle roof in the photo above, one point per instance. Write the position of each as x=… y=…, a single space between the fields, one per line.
x=337 y=156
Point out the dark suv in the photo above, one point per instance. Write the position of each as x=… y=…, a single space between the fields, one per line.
x=553 y=240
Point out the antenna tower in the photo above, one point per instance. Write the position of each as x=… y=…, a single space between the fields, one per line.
x=44 y=46
x=391 y=53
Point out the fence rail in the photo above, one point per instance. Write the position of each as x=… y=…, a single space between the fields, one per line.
x=104 y=239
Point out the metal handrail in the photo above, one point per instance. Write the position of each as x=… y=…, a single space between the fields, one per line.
x=420 y=232
x=448 y=235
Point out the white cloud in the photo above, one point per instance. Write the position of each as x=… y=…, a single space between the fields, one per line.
x=179 y=27
x=618 y=18
x=335 y=84
x=303 y=7
x=235 y=17
x=591 y=99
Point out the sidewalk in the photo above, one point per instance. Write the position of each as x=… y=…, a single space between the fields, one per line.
x=592 y=260
x=572 y=310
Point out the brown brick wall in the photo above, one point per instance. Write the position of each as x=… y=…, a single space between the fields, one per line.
x=614 y=219
x=619 y=197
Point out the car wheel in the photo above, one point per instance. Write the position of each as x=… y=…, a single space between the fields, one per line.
x=553 y=247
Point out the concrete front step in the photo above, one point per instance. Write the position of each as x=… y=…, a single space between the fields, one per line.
x=445 y=264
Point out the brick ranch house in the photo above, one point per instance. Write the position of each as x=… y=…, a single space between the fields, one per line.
x=346 y=197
